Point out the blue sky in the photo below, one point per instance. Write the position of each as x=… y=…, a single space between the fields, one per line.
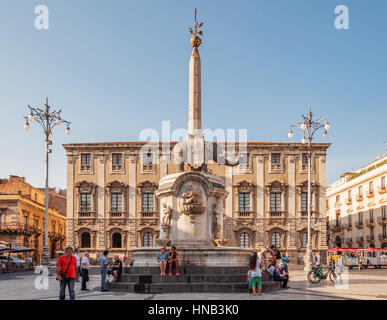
x=117 y=67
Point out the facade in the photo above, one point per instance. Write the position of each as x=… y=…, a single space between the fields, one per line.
x=357 y=207
x=111 y=200
x=22 y=217
x=122 y=195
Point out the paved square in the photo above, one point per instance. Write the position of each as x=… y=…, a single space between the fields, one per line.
x=370 y=284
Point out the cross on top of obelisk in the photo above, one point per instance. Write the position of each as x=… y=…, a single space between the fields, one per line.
x=195 y=40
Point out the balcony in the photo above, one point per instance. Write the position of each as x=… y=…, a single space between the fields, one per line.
x=359 y=198
x=370 y=223
x=86 y=217
x=370 y=237
x=148 y=214
x=382 y=236
x=359 y=224
x=348 y=226
x=348 y=201
x=359 y=239
x=337 y=205
x=382 y=190
x=382 y=220
x=245 y=214
x=370 y=194
x=348 y=240
x=117 y=218
x=19 y=228
x=336 y=227
x=277 y=217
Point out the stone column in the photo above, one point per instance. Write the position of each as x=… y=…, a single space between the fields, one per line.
x=260 y=199
x=322 y=202
x=100 y=193
x=195 y=95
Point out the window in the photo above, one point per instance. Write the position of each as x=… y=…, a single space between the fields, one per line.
x=147 y=239
x=384 y=231
x=372 y=232
x=116 y=162
x=85 y=240
x=276 y=239
x=304 y=159
x=349 y=195
x=36 y=197
x=371 y=215
x=360 y=216
x=360 y=191
x=147 y=202
x=304 y=240
x=244 y=202
x=338 y=198
x=244 y=159
x=275 y=202
x=85 y=162
x=371 y=187
x=349 y=220
x=304 y=202
x=384 y=213
x=275 y=158
x=85 y=202
x=244 y=240
x=116 y=240
x=116 y=202
x=383 y=183
x=36 y=222
x=148 y=162
x=25 y=221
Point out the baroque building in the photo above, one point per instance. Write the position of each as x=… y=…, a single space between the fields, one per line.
x=114 y=191
x=22 y=212
x=357 y=207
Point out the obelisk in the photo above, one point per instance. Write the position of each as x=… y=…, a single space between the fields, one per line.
x=195 y=90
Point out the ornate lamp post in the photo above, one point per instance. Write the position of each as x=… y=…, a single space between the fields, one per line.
x=48 y=120
x=309 y=127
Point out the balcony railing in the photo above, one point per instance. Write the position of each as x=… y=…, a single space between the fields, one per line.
x=382 y=190
x=369 y=222
x=370 y=194
x=148 y=214
x=276 y=214
x=86 y=214
x=359 y=239
x=381 y=219
x=244 y=214
x=19 y=227
x=116 y=214
x=370 y=237
x=348 y=201
x=359 y=197
x=348 y=240
x=359 y=224
x=382 y=236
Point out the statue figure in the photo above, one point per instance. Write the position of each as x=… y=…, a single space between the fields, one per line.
x=190 y=197
x=215 y=224
x=167 y=215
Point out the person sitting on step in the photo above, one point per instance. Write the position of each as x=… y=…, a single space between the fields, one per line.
x=161 y=259
x=173 y=261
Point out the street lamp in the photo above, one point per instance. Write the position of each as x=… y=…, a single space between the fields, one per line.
x=309 y=128
x=48 y=120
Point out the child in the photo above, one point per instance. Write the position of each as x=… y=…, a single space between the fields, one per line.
x=255 y=273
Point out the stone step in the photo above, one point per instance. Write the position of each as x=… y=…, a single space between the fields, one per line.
x=188 y=270
x=192 y=278
x=187 y=287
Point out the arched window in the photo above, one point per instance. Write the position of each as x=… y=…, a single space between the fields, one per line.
x=304 y=239
x=85 y=240
x=117 y=240
x=244 y=240
x=147 y=239
x=276 y=239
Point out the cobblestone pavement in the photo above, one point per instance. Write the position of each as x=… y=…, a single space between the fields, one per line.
x=365 y=284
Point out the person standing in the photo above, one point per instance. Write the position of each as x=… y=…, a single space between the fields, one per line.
x=85 y=266
x=103 y=265
x=78 y=262
x=255 y=274
x=30 y=264
x=285 y=260
x=66 y=273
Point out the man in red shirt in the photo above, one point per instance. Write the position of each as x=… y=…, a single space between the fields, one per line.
x=66 y=271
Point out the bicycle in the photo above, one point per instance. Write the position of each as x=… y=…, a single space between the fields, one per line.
x=321 y=273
